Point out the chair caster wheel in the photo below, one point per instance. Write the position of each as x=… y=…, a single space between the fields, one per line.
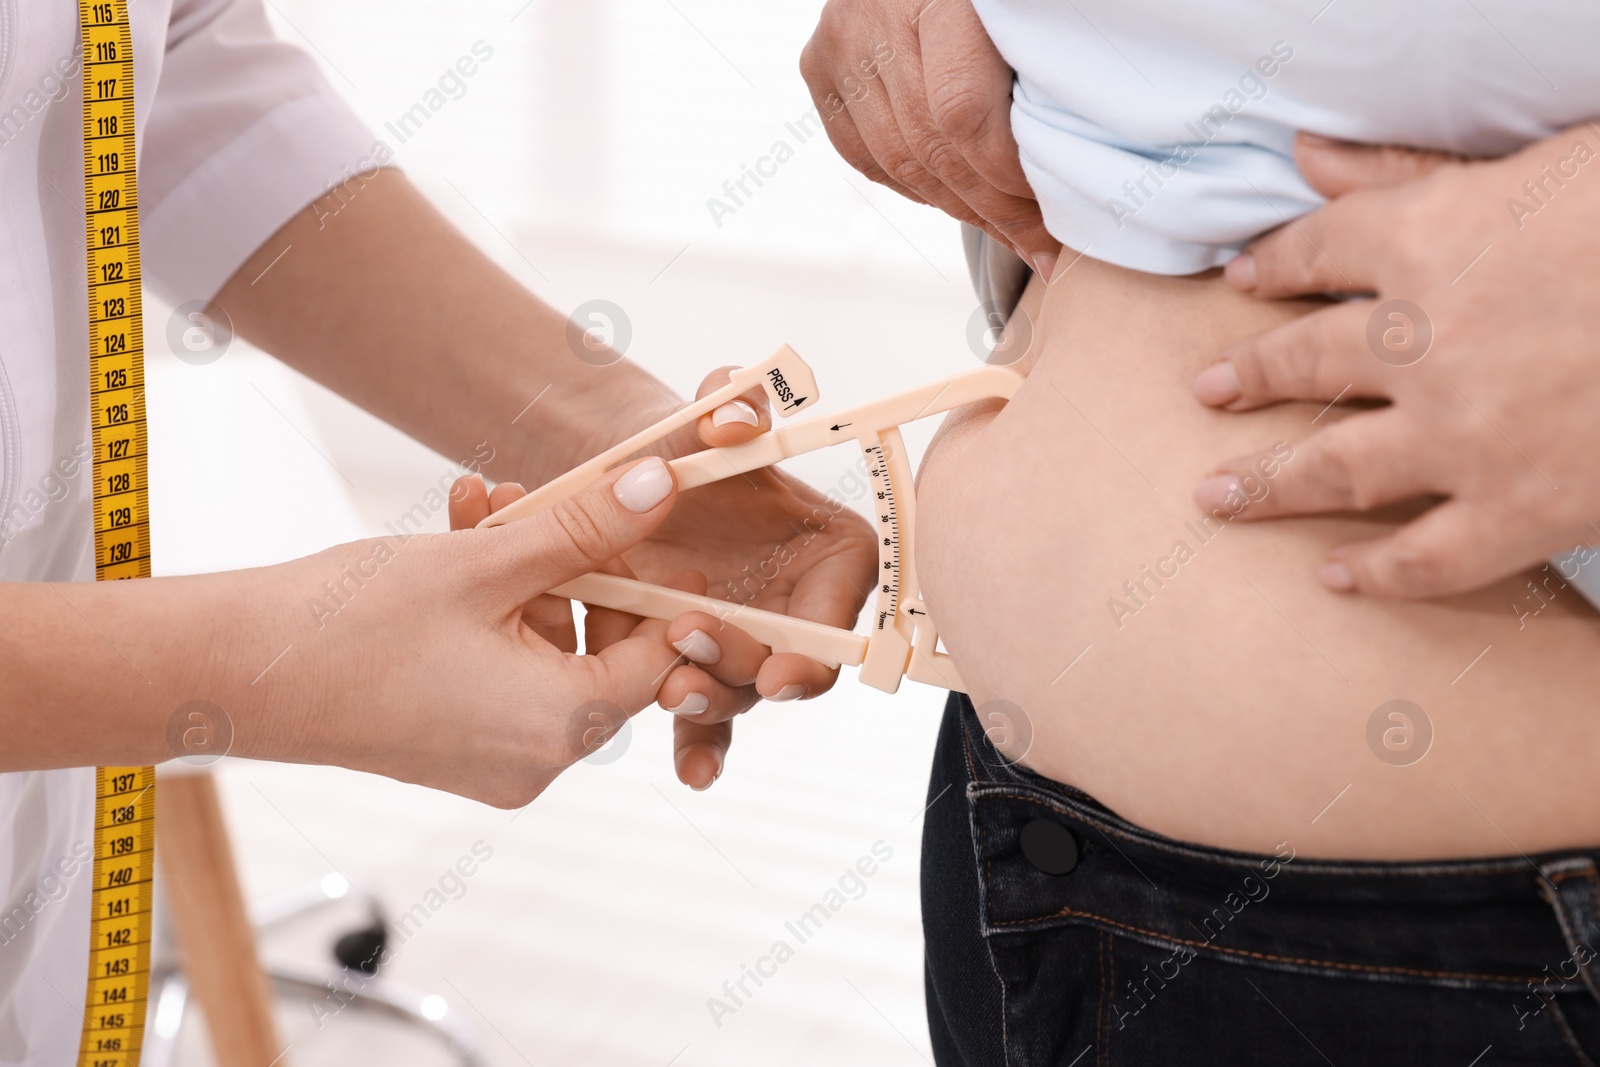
x=361 y=950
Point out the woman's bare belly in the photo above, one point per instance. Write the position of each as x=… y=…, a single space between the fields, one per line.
x=1229 y=699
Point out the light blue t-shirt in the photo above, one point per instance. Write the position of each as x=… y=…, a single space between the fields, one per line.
x=1157 y=134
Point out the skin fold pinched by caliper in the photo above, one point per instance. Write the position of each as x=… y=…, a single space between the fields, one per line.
x=901 y=639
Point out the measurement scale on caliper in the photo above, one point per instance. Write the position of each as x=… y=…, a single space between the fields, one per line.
x=902 y=640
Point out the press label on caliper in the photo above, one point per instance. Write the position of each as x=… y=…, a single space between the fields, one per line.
x=789 y=383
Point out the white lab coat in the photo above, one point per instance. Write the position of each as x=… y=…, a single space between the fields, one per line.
x=237 y=131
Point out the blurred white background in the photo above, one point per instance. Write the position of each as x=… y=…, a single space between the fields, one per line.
x=581 y=155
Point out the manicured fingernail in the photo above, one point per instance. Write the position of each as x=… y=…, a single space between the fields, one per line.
x=1218 y=384
x=1241 y=271
x=677 y=762
x=645 y=486
x=1337 y=576
x=714 y=775
x=699 y=646
x=514 y=485
x=1045 y=264
x=693 y=704
x=735 y=411
x=789 y=692
x=1219 y=493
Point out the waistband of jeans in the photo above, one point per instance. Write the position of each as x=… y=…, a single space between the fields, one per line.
x=1502 y=921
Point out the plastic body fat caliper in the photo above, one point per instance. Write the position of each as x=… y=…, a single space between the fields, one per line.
x=901 y=640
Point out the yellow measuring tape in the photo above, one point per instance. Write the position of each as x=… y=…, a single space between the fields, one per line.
x=125 y=799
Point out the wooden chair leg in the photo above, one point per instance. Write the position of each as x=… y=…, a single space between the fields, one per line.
x=212 y=927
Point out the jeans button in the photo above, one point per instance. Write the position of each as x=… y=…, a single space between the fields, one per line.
x=1049 y=846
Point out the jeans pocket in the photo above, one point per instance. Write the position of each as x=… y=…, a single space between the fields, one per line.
x=1078 y=996
x=1215 y=1011
x=1057 y=994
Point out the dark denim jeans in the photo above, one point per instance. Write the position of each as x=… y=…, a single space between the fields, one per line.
x=1059 y=934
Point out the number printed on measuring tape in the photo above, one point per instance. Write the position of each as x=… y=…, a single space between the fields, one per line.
x=124 y=830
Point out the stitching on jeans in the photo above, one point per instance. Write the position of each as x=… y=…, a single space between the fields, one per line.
x=1568 y=864
x=1569 y=934
x=1107 y=996
x=1214 y=857
x=1100 y=1002
x=1594 y=898
x=1571 y=1039
x=966 y=748
x=981 y=843
x=1246 y=860
x=1270 y=957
